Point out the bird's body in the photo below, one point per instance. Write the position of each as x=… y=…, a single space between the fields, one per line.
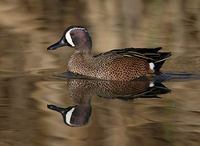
x=118 y=64
x=109 y=66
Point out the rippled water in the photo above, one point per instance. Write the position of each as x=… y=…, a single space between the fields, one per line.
x=107 y=113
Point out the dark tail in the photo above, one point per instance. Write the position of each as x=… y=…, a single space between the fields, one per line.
x=152 y=55
x=159 y=61
x=156 y=57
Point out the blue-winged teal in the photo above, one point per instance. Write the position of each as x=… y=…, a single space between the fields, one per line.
x=82 y=91
x=119 y=64
x=74 y=116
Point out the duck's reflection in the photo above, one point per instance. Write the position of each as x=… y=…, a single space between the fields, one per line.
x=77 y=115
x=82 y=90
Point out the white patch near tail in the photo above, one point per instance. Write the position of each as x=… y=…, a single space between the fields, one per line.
x=151 y=66
x=151 y=84
x=69 y=115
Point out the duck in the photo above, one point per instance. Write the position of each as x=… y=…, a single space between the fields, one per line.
x=82 y=91
x=124 y=64
x=73 y=116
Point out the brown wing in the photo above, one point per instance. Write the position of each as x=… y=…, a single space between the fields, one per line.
x=148 y=54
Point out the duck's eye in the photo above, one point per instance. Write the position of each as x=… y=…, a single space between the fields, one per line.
x=72 y=34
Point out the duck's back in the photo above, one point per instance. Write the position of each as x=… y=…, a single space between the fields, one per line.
x=119 y=64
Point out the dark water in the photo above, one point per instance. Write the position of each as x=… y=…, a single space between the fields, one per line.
x=107 y=113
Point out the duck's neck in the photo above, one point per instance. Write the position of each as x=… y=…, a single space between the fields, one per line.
x=80 y=63
x=83 y=50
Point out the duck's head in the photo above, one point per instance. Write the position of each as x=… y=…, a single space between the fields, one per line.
x=74 y=116
x=76 y=37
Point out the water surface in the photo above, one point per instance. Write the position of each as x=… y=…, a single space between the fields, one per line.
x=28 y=81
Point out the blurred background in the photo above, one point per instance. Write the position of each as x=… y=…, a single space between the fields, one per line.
x=28 y=27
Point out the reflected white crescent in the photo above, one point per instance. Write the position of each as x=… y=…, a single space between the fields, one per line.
x=69 y=115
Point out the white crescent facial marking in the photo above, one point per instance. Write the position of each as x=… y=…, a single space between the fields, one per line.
x=69 y=115
x=151 y=66
x=68 y=36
